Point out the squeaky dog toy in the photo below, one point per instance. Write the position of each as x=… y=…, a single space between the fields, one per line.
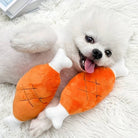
x=82 y=93
x=36 y=89
x=85 y=91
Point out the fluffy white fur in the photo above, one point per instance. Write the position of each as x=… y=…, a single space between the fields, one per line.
x=37 y=43
x=116 y=38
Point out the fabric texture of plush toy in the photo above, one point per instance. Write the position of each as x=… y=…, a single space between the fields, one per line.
x=85 y=90
x=82 y=93
x=37 y=87
x=34 y=91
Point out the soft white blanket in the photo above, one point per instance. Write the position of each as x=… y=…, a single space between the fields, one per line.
x=117 y=115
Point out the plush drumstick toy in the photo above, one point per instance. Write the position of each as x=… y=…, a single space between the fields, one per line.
x=37 y=88
x=84 y=92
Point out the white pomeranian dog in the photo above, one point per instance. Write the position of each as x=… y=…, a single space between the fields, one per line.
x=94 y=37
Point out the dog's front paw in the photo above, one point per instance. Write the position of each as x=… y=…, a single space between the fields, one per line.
x=19 y=41
x=39 y=125
x=34 y=38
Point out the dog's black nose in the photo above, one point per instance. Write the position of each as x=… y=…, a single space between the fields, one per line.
x=96 y=54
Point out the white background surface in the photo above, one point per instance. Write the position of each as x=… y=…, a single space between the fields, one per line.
x=117 y=115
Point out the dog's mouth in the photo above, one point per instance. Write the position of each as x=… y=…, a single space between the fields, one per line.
x=86 y=64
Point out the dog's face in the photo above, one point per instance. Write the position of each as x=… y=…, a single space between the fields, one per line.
x=100 y=38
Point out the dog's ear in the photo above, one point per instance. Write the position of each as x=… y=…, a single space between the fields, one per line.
x=120 y=68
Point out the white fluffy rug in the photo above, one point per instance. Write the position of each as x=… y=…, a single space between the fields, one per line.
x=117 y=115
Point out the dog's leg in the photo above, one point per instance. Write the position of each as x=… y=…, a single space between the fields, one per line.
x=34 y=38
x=42 y=123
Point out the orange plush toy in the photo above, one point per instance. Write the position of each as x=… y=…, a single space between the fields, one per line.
x=85 y=90
x=82 y=93
x=36 y=89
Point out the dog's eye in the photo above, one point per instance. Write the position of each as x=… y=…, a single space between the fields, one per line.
x=108 y=53
x=89 y=39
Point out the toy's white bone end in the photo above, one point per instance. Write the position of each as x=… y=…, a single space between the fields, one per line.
x=60 y=61
x=12 y=122
x=56 y=115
